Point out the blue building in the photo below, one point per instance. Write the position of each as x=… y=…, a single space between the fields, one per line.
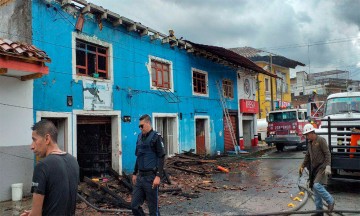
x=108 y=70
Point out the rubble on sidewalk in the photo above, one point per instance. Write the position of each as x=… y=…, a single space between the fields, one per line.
x=186 y=176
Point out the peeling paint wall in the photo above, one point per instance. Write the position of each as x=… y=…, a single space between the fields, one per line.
x=15 y=16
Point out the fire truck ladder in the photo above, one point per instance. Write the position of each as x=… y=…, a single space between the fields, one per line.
x=227 y=117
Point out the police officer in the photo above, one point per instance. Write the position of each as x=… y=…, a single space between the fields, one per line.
x=149 y=166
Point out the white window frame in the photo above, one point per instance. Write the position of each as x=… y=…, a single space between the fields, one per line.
x=206 y=80
x=116 y=143
x=207 y=132
x=68 y=124
x=176 y=131
x=171 y=80
x=96 y=41
x=232 y=84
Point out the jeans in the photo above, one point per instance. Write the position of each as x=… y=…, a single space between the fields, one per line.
x=321 y=193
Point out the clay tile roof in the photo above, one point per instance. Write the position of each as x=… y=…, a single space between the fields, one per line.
x=232 y=57
x=261 y=55
x=247 y=52
x=22 y=50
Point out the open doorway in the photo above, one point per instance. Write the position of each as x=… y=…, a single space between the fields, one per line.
x=94 y=145
x=166 y=126
x=247 y=125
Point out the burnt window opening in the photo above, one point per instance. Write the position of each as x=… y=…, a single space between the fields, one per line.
x=94 y=148
x=228 y=88
x=160 y=74
x=91 y=60
x=199 y=83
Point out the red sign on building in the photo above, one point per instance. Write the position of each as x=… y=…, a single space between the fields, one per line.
x=249 y=106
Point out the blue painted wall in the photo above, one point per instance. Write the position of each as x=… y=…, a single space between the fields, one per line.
x=52 y=32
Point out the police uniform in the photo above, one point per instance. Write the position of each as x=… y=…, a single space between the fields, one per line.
x=150 y=155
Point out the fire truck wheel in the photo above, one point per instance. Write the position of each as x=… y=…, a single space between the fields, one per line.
x=280 y=146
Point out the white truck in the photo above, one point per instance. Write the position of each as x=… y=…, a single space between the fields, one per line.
x=339 y=126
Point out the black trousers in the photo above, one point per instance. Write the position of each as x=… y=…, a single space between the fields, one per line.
x=143 y=191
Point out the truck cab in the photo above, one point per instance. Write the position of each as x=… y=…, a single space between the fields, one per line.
x=285 y=128
x=340 y=127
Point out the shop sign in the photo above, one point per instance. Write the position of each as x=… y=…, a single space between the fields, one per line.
x=249 y=106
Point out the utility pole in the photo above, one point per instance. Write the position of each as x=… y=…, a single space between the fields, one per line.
x=258 y=91
x=271 y=84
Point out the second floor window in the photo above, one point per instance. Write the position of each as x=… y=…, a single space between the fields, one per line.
x=267 y=85
x=91 y=60
x=228 y=88
x=199 y=82
x=160 y=74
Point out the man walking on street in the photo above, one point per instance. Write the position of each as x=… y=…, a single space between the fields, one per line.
x=318 y=159
x=149 y=166
x=56 y=175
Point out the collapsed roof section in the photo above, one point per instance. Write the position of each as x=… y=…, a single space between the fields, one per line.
x=216 y=54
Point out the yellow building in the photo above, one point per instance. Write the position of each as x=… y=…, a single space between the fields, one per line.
x=272 y=93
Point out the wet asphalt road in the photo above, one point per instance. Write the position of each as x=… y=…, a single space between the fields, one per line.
x=268 y=186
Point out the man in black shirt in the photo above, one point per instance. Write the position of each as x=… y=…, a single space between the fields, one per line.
x=56 y=175
x=149 y=166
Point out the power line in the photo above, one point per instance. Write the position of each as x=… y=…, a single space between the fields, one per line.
x=317 y=43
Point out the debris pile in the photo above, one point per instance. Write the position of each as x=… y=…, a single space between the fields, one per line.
x=186 y=176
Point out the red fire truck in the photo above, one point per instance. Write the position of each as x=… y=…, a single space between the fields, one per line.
x=285 y=128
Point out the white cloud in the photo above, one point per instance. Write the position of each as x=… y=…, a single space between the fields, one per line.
x=319 y=32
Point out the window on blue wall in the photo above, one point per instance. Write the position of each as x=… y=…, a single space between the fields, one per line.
x=91 y=60
x=228 y=88
x=199 y=82
x=160 y=74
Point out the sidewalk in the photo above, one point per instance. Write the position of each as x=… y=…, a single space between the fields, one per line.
x=253 y=151
x=261 y=148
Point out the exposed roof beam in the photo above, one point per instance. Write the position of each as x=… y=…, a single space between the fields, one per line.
x=31 y=76
x=154 y=36
x=86 y=9
x=165 y=40
x=104 y=15
x=144 y=32
x=131 y=27
x=65 y=3
x=117 y=22
x=173 y=42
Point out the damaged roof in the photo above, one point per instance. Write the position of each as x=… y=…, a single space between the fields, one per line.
x=232 y=57
x=22 y=50
x=261 y=55
x=222 y=55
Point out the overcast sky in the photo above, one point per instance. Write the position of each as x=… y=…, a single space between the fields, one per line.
x=323 y=34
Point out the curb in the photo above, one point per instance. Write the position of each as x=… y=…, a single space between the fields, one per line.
x=260 y=151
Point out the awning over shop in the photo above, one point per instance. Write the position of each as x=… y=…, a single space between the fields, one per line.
x=22 y=60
